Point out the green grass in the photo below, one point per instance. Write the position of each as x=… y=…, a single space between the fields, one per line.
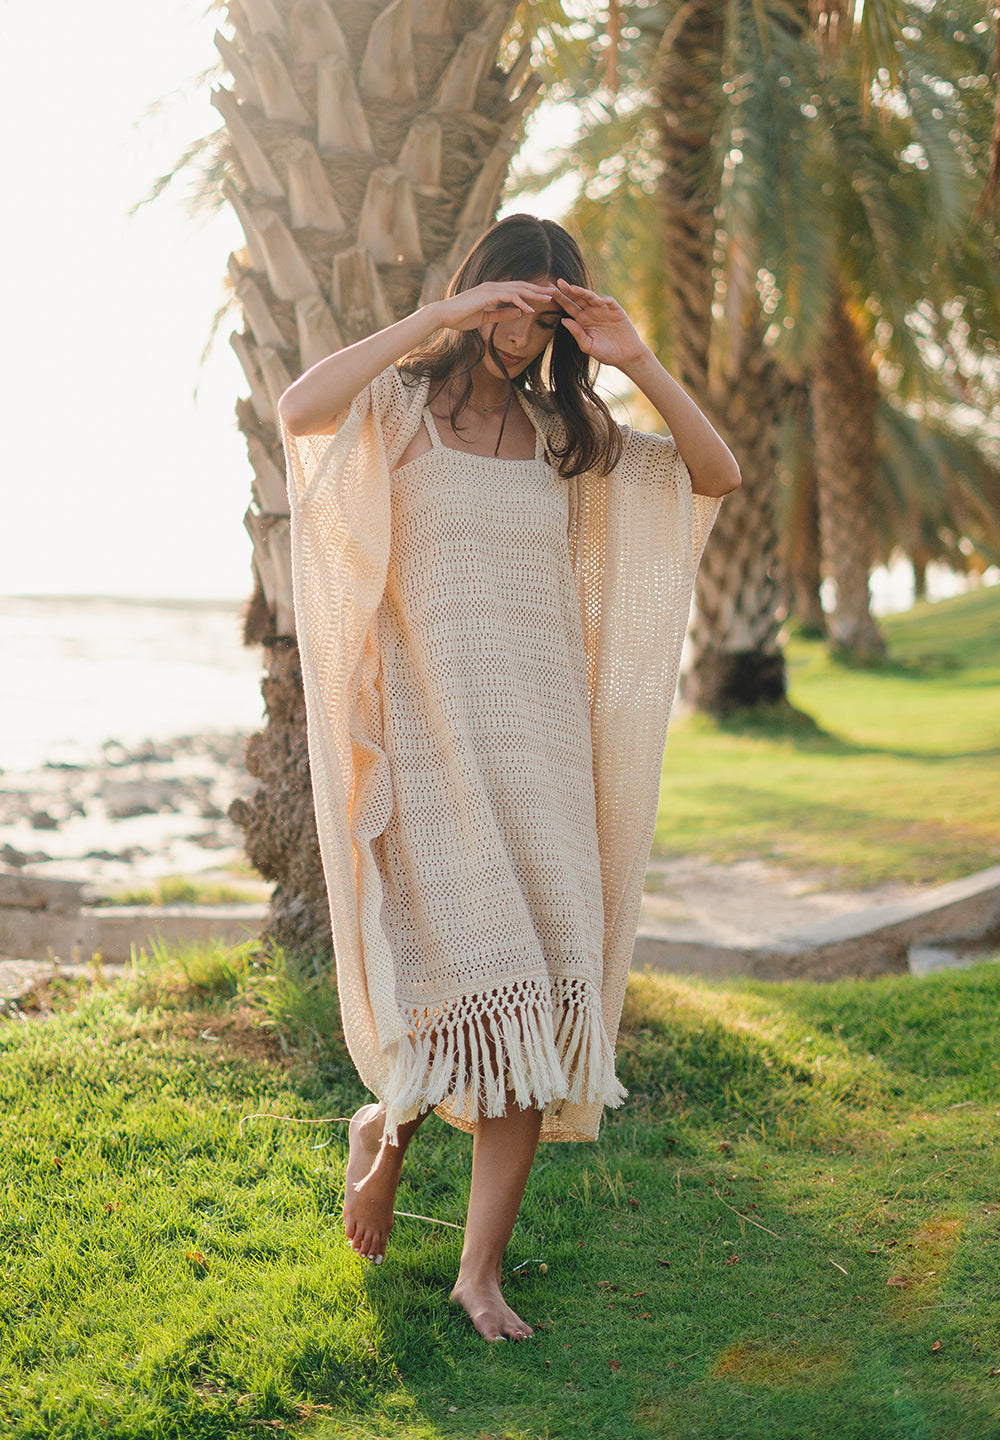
x=188 y=890
x=885 y=773
x=717 y=1263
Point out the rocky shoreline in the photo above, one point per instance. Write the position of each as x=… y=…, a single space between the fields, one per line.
x=123 y=814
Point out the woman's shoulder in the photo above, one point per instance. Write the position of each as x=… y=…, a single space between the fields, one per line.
x=650 y=441
x=395 y=391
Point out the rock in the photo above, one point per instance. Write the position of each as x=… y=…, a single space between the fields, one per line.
x=17 y=859
x=128 y=811
x=212 y=840
x=151 y=753
x=42 y=820
x=28 y=892
x=128 y=856
x=125 y=799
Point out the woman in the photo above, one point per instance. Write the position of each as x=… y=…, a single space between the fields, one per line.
x=492 y=583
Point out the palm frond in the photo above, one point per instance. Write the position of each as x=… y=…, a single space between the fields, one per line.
x=202 y=164
x=939 y=489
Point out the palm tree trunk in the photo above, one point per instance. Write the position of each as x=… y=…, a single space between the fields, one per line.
x=920 y=558
x=736 y=659
x=367 y=144
x=800 y=524
x=845 y=400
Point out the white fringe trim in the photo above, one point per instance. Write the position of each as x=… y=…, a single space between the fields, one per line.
x=541 y=1043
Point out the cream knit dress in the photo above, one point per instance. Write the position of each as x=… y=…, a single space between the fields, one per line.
x=489 y=655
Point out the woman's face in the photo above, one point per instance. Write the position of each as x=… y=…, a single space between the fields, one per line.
x=519 y=337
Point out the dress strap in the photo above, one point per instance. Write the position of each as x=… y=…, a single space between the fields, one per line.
x=432 y=429
x=541 y=445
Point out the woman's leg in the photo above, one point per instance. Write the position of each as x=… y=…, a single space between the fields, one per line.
x=502 y=1152
x=373 y=1172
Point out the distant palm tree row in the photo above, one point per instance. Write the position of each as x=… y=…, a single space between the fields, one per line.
x=816 y=268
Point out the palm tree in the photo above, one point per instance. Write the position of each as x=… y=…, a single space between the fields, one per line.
x=800 y=188
x=646 y=160
x=940 y=495
x=364 y=149
x=885 y=176
x=799 y=520
x=736 y=661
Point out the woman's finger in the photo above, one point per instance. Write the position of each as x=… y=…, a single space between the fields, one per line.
x=590 y=295
x=578 y=333
x=562 y=299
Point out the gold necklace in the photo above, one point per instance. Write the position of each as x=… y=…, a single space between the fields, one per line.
x=489 y=409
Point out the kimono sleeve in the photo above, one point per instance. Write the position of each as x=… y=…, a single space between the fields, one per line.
x=315 y=461
x=653 y=460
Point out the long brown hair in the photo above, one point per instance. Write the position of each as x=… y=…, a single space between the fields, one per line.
x=522 y=247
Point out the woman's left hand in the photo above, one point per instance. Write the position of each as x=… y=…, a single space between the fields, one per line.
x=599 y=325
x=602 y=330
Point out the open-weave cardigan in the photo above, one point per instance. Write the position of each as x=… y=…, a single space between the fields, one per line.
x=635 y=537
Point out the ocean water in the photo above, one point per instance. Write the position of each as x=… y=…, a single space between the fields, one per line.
x=76 y=672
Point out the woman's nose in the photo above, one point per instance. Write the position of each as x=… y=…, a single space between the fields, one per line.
x=518 y=328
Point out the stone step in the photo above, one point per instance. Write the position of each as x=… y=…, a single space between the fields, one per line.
x=865 y=942
x=112 y=931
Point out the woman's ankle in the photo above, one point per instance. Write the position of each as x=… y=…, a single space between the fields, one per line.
x=478 y=1271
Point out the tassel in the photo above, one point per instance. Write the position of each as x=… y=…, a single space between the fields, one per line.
x=542 y=1044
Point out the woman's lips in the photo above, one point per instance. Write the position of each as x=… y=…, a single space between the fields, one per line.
x=511 y=361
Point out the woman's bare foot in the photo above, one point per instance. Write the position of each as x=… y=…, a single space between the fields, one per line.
x=373 y=1171
x=489 y=1311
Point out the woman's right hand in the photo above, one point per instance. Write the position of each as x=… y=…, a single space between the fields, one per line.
x=312 y=404
x=485 y=304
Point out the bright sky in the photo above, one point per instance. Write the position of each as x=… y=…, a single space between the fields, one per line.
x=115 y=480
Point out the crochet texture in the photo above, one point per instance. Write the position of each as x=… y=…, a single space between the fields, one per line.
x=489 y=655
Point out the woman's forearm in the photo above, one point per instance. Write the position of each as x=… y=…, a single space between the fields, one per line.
x=312 y=403
x=709 y=460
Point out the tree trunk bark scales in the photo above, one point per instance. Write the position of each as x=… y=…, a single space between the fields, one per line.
x=734 y=639
x=351 y=184
x=845 y=401
x=278 y=821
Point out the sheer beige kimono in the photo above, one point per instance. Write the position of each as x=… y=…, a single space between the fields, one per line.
x=635 y=541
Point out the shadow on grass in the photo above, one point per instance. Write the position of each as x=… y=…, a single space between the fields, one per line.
x=786 y=723
x=933 y=1035
x=717 y=1263
x=771 y=821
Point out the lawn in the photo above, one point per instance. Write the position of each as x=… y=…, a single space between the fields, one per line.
x=791 y=1230
x=875 y=774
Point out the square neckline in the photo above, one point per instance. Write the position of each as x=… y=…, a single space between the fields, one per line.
x=427 y=419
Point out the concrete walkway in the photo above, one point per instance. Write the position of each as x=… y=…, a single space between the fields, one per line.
x=749 y=918
x=48 y=928
x=756 y=919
